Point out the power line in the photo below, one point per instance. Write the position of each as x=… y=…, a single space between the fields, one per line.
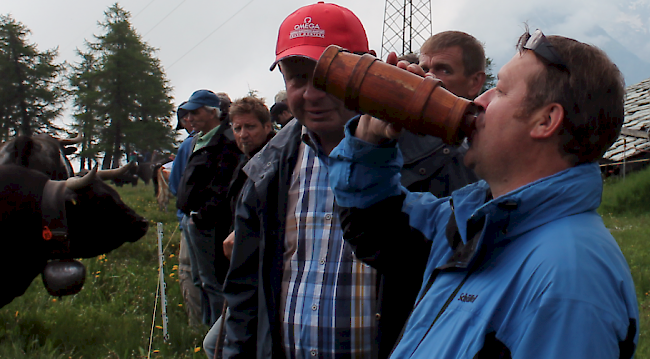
x=163 y=19
x=140 y=12
x=210 y=34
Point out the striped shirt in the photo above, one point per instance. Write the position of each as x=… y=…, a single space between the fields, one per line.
x=328 y=296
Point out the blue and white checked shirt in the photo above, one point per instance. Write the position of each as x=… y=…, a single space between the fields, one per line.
x=328 y=296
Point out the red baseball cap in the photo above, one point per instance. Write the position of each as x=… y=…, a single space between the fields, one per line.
x=312 y=28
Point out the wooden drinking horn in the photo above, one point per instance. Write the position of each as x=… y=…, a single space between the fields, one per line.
x=394 y=95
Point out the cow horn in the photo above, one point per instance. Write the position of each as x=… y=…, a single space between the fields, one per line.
x=75 y=183
x=115 y=173
x=71 y=141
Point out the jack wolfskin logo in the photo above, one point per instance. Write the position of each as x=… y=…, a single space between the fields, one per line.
x=467 y=298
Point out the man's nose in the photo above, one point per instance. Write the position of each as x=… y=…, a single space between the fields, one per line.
x=485 y=98
x=311 y=93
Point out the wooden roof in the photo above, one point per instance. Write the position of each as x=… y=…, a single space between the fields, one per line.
x=634 y=139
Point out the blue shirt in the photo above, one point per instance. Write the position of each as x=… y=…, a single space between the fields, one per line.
x=184 y=152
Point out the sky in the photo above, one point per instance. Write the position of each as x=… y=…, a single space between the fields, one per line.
x=228 y=46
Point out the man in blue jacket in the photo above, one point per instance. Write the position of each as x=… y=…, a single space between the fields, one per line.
x=191 y=294
x=520 y=265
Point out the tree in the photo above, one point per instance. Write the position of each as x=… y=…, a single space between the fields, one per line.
x=32 y=93
x=87 y=112
x=490 y=80
x=134 y=102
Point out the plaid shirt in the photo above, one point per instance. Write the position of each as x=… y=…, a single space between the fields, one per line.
x=328 y=296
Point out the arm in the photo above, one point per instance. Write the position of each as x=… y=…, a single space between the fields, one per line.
x=241 y=286
x=179 y=165
x=572 y=328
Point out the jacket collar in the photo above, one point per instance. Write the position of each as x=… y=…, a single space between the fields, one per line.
x=266 y=159
x=572 y=191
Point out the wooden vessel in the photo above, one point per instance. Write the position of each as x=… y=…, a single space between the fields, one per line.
x=387 y=92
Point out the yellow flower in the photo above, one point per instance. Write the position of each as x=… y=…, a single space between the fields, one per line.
x=53 y=299
x=158 y=326
x=180 y=305
x=197 y=349
x=171 y=274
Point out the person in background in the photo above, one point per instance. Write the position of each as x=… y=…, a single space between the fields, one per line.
x=191 y=294
x=280 y=114
x=294 y=288
x=251 y=126
x=201 y=197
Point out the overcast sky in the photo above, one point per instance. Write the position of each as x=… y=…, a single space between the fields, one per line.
x=229 y=45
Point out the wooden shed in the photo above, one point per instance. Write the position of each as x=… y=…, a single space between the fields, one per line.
x=631 y=151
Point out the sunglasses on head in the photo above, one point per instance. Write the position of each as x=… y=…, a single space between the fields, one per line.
x=539 y=44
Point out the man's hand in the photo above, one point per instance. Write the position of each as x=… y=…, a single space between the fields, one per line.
x=374 y=130
x=228 y=244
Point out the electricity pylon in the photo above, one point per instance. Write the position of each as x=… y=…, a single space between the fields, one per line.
x=407 y=24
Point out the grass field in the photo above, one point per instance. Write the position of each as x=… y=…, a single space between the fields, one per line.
x=112 y=316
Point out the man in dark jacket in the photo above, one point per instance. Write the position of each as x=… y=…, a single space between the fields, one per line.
x=294 y=288
x=202 y=198
x=251 y=125
x=458 y=60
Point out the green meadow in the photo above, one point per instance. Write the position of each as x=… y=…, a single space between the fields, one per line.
x=113 y=316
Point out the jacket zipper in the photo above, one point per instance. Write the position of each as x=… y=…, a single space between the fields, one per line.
x=444 y=307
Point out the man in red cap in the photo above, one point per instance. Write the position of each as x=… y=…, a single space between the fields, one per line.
x=294 y=287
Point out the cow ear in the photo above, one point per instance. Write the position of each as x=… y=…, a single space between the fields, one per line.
x=69 y=150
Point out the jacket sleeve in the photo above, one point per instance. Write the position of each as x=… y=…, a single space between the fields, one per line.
x=241 y=286
x=179 y=165
x=572 y=328
x=366 y=182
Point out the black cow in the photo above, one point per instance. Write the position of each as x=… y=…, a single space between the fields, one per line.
x=42 y=152
x=34 y=208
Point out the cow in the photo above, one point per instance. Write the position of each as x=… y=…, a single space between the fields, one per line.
x=42 y=153
x=58 y=220
x=163 y=194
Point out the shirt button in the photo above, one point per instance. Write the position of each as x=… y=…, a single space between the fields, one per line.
x=423 y=171
x=446 y=151
x=314 y=352
x=268 y=164
x=322 y=261
x=328 y=217
x=377 y=316
x=314 y=307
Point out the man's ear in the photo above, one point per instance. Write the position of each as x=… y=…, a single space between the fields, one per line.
x=476 y=82
x=547 y=121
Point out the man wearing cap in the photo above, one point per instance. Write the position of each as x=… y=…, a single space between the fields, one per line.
x=280 y=114
x=202 y=198
x=191 y=294
x=294 y=287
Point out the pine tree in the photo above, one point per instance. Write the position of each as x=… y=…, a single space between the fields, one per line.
x=32 y=94
x=134 y=102
x=490 y=79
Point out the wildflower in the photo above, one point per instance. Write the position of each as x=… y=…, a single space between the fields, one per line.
x=158 y=326
x=180 y=305
x=17 y=311
x=171 y=274
x=53 y=299
x=156 y=351
x=197 y=349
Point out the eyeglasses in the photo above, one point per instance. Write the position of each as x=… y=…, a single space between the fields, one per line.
x=538 y=43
